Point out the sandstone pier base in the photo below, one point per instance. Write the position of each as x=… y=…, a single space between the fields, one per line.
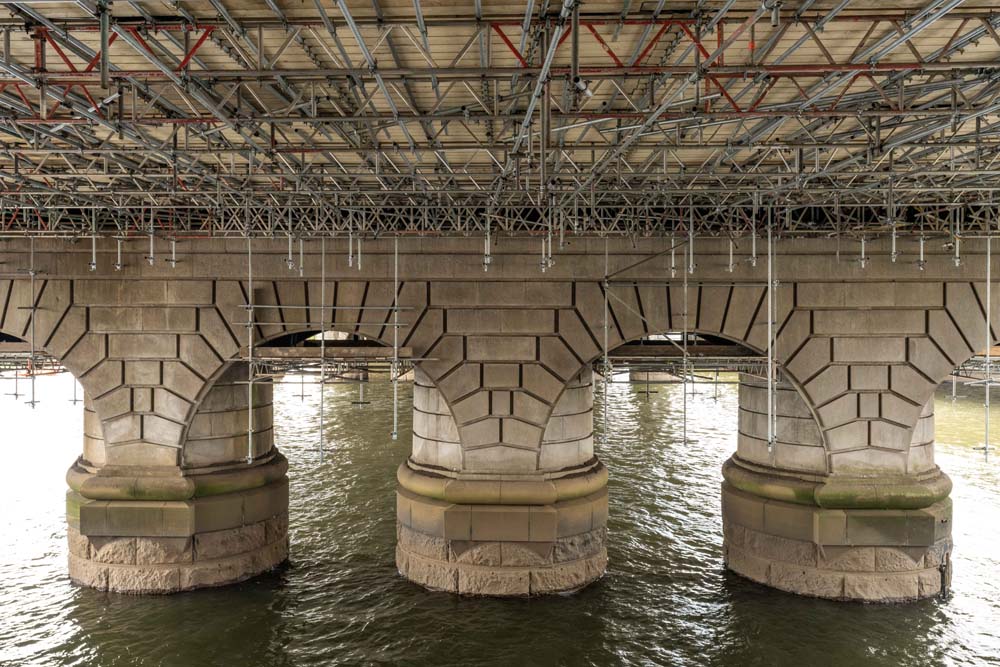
x=792 y=525
x=485 y=531
x=213 y=519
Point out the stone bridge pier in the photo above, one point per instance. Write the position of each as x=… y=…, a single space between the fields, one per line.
x=180 y=486
x=479 y=519
x=875 y=529
x=162 y=519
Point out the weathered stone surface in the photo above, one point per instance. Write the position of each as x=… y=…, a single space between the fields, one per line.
x=141 y=565
x=773 y=547
x=740 y=561
x=88 y=573
x=421 y=544
x=489 y=581
x=497 y=549
x=152 y=550
x=882 y=587
x=432 y=574
x=567 y=576
x=218 y=572
x=806 y=580
x=938 y=555
x=475 y=553
x=222 y=543
x=847 y=559
x=119 y=550
x=156 y=579
x=79 y=545
x=582 y=545
x=276 y=528
x=525 y=554
x=901 y=559
x=931 y=582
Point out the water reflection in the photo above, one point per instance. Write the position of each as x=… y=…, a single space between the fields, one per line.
x=666 y=599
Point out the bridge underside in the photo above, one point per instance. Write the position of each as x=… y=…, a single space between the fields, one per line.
x=502 y=199
x=180 y=486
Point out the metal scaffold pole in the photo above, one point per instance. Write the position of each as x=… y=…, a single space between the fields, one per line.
x=684 y=349
x=770 y=335
x=988 y=381
x=606 y=367
x=395 y=337
x=322 y=346
x=31 y=336
x=250 y=337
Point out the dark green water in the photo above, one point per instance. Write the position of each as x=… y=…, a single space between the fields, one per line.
x=666 y=599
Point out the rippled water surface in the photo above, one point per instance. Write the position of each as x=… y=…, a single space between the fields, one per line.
x=666 y=599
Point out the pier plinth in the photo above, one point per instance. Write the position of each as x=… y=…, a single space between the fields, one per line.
x=865 y=534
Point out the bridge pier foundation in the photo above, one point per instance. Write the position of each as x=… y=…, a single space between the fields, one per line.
x=789 y=522
x=496 y=528
x=139 y=525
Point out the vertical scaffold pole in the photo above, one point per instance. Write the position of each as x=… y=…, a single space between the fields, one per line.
x=395 y=337
x=684 y=362
x=989 y=339
x=606 y=367
x=322 y=345
x=31 y=340
x=770 y=335
x=250 y=371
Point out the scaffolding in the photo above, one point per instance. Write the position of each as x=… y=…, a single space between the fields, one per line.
x=333 y=364
x=687 y=367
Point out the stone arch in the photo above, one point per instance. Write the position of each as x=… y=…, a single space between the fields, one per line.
x=865 y=362
x=60 y=330
x=736 y=313
x=566 y=440
x=216 y=432
x=284 y=308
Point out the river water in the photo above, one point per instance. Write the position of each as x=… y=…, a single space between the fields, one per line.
x=666 y=599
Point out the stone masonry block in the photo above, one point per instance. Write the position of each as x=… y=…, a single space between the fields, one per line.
x=181 y=380
x=557 y=357
x=142 y=372
x=500 y=523
x=199 y=355
x=162 y=431
x=787 y=520
x=501 y=459
x=540 y=382
x=214 y=330
x=460 y=382
x=501 y=348
x=870 y=349
x=494 y=581
x=500 y=376
x=142 y=346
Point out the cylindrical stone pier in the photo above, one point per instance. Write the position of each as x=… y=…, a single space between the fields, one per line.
x=149 y=519
x=502 y=531
x=866 y=534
